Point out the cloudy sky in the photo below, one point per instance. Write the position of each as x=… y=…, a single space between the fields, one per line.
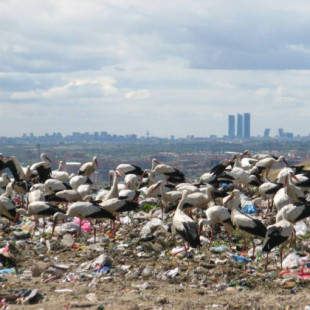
x=176 y=67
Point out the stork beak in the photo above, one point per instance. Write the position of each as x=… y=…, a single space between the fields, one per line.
x=285 y=162
x=143 y=175
x=48 y=159
x=8 y=178
x=229 y=198
x=119 y=174
x=155 y=187
x=294 y=177
x=96 y=162
x=16 y=218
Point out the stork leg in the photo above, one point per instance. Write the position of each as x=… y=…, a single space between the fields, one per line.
x=94 y=228
x=266 y=262
x=229 y=238
x=112 y=234
x=245 y=244
x=293 y=236
x=254 y=247
x=80 y=227
x=35 y=227
x=80 y=230
x=185 y=249
x=281 y=253
x=211 y=238
x=268 y=208
x=44 y=227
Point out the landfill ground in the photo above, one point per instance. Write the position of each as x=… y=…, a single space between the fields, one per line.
x=138 y=271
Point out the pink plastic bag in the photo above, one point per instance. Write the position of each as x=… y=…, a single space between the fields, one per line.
x=85 y=224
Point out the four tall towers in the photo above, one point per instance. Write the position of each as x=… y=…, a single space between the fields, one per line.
x=243 y=126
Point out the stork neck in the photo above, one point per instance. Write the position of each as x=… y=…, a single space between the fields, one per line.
x=237 y=161
x=22 y=212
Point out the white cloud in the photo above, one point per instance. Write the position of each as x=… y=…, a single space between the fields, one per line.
x=138 y=94
x=110 y=65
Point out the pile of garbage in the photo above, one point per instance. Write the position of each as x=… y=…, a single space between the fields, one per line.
x=144 y=252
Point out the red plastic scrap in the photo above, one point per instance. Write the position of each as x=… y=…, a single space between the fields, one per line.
x=304 y=273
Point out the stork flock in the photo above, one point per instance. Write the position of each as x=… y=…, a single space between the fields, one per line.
x=215 y=200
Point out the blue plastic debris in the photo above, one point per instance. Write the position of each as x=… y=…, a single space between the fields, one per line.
x=4 y=271
x=104 y=269
x=240 y=259
x=251 y=209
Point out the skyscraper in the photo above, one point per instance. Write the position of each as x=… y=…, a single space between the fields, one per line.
x=247 y=125
x=239 y=126
x=266 y=132
x=231 y=126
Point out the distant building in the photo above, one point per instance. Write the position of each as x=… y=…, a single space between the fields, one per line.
x=231 y=126
x=246 y=125
x=266 y=132
x=73 y=167
x=239 y=126
x=281 y=132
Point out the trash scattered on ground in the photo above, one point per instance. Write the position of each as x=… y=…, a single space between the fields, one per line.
x=138 y=259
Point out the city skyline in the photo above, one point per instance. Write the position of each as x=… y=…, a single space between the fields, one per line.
x=111 y=66
x=243 y=126
x=244 y=122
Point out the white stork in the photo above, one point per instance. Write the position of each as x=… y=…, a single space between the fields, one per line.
x=217 y=215
x=78 y=180
x=39 y=209
x=53 y=185
x=88 y=168
x=277 y=234
x=131 y=181
x=294 y=212
x=113 y=192
x=171 y=174
x=239 y=176
x=115 y=206
x=125 y=169
x=267 y=191
x=197 y=200
x=8 y=209
x=185 y=226
x=258 y=156
x=190 y=188
x=267 y=163
x=244 y=222
x=4 y=180
x=83 y=210
x=167 y=197
x=60 y=174
x=245 y=163
x=42 y=168
x=207 y=178
x=13 y=164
